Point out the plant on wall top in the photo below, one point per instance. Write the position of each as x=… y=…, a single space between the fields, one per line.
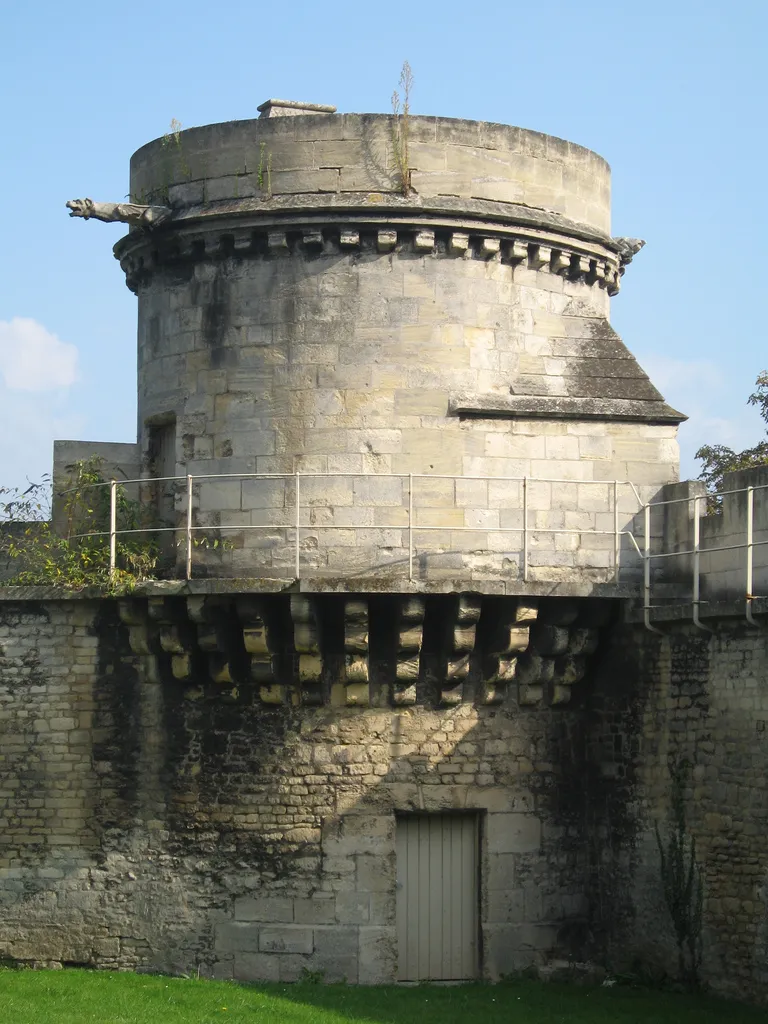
x=401 y=110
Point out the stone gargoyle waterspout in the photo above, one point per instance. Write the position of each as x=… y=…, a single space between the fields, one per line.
x=126 y=213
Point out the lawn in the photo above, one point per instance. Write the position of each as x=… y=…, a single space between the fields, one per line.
x=76 y=997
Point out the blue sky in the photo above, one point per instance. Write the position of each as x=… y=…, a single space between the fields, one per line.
x=672 y=94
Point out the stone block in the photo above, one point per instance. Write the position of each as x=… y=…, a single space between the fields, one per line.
x=501 y=871
x=377 y=956
x=353 y=908
x=254 y=967
x=420 y=402
x=336 y=941
x=219 y=495
x=237 y=937
x=374 y=874
x=382 y=908
x=505 y=953
x=506 y=906
x=286 y=939
x=315 y=910
x=429 y=493
x=267 y=909
x=379 y=491
x=513 y=833
x=265 y=493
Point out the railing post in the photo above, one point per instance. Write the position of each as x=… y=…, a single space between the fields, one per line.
x=410 y=526
x=112 y=526
x=616 y=534
x=298 y=525
x=750 y=544
x=647 y=568
x=696 y=563
x=189 y=528
x=525 y=529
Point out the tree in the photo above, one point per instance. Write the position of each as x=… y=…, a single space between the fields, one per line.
x=718 y=459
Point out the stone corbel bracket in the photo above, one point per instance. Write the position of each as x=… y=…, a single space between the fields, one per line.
x=356 y=643
x=596 y=263
x=509 y=638
x=462 y=631
x=306 y=644
x=485 y=649
x=207 y=614
x=260 y=647
x=410 y=637
x=565 y=633
x=141 y=637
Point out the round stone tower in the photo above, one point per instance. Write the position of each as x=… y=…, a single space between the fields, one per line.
x=382 y=301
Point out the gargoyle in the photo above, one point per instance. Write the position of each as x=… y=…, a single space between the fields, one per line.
x=126 y=213
x=628 y=247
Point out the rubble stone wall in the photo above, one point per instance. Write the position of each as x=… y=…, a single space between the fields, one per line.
x=698 y=700
x=185 y=825
x=179 y=824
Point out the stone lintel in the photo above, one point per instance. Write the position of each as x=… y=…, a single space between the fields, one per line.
x=528 y=407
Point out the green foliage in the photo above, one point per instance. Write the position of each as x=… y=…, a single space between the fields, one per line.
x=264 y=170
x=401 y=127
x=718 y=459
x=79 y=557
x=681 y=879
x=172 y=138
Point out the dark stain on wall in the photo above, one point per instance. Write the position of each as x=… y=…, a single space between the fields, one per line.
x=116 y=722
x=216 y=316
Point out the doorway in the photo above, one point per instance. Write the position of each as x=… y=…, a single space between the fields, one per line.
x=437 y=897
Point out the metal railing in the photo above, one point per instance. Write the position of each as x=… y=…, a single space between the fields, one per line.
x=696 y=551
x=526 y=530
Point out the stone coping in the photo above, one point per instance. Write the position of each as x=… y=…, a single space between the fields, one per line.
x=347 y=585
x=544 y=407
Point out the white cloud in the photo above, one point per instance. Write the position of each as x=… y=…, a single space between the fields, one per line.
x=28 y=428
x=717 y=412
x=33 y=359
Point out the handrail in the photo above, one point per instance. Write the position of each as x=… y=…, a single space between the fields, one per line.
x=525 y=530
x=749 y=544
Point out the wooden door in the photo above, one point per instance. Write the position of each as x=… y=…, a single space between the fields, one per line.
x=437 y=897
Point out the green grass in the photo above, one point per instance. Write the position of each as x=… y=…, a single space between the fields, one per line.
x=77 y=997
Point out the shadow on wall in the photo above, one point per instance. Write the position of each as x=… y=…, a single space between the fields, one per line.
x=203 y=828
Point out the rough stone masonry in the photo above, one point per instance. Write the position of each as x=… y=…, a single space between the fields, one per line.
x=356 y=770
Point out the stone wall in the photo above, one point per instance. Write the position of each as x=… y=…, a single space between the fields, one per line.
x=306 y=308
x=352 y=153
x=661 y=701
x=360 y=363
x=723 y=535
x=188 y=824
x=185 y=823
x=119 y=461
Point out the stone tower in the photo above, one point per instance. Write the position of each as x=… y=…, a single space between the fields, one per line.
x=375 y=358
x=311 y=307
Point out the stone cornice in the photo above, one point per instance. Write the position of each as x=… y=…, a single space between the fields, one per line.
x=546 y=407
x=281 y=230
x=196 y=207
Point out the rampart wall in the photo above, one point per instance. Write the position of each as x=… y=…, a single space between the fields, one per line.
x=179 y=823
